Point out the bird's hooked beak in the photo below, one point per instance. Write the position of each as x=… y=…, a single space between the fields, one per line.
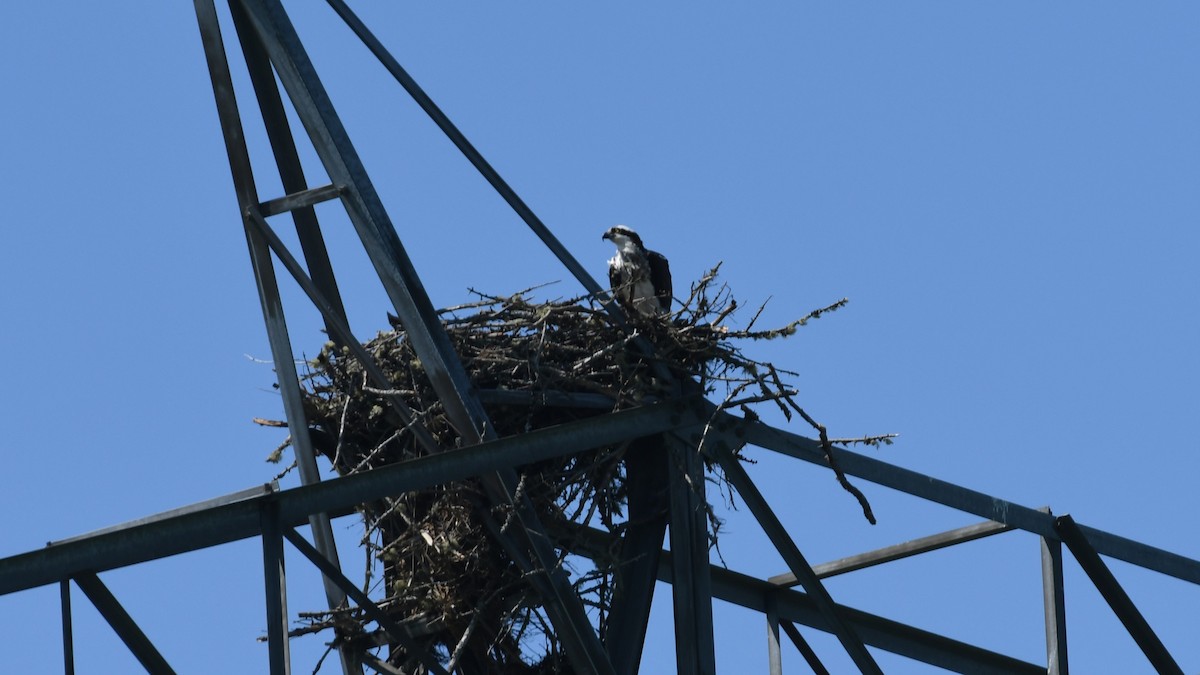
x=607 y=235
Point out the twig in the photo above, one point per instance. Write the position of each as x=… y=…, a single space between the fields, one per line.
x=833 y=464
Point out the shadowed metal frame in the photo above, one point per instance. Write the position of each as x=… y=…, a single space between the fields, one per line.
x=272 y=50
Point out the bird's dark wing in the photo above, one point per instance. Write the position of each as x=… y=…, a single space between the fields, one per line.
x=660 y=277
x=614 y=277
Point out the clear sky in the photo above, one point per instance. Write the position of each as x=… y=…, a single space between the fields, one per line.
x=1007 y=193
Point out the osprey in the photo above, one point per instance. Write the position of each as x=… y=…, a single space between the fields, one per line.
x=640 y=279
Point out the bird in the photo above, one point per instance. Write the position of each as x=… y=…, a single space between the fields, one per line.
x=640 y=278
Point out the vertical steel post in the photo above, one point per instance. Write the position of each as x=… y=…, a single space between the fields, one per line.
x=1054 y=600
x=275 y=583
x=641 y=548
x=691 y=583
x=64 y=591
x=774 y=655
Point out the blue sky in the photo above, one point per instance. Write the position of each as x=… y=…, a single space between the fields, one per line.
x=1006 y=193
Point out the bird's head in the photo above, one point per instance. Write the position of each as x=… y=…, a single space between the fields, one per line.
x=623 y=236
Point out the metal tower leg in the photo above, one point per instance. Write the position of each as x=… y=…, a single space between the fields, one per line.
x=691 y=583
x=287 y=159
x=268 y=290
x=774 y=654
x=64 y=590
x=275 y=582
x=636 y=571
x=1054 y=600
x=276 y=38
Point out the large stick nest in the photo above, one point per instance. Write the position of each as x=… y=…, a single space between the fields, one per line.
x=536 y=364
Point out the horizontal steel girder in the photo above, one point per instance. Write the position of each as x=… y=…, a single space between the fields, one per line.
x=191 y=530
x=964 y=499
x=795 y=606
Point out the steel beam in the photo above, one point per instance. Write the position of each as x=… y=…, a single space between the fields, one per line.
x=802 y=646
x=544 y=578
x=123 y=624
x=64 y=592
x=898 y=552
x=774 y=655
x=421 y=322
x=249 y=494
x=300 y=199
x=795 y=561
x=468 y=150
x=275 y=585
x=691 y=590
x=156 y=538
x=636 y=570
x=559 y=399
x=1115 y=596
x=876 y=631
x=794 y=606
x=965 y=499
x=370 y=220
x=335 y=324
x=1054 y=602
x=380 y=666
x=268 y=289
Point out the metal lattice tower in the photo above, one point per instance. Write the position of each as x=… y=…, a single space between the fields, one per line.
x=273 y=52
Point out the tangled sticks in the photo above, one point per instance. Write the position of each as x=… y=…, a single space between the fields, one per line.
x=534 y=364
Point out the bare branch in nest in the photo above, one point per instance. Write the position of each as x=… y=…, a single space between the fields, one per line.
x=827 y=447
x=288 y=469
x=277 y=454
x=754 y=319
x=873 y=441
